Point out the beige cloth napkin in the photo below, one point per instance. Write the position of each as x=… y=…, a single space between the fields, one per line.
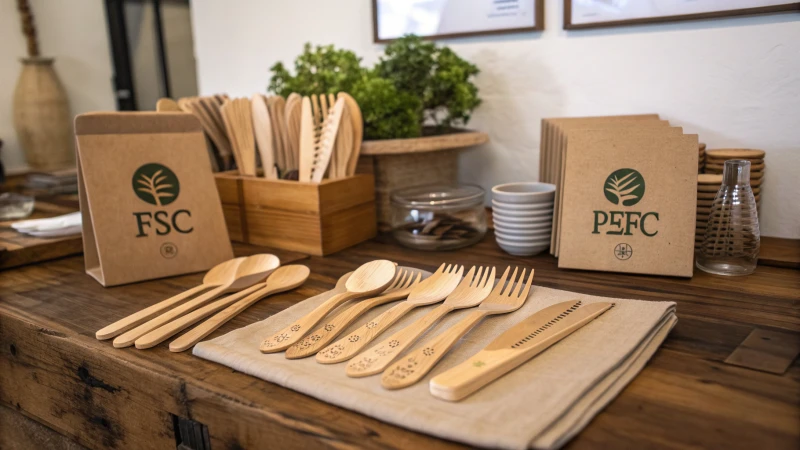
x=541 y=404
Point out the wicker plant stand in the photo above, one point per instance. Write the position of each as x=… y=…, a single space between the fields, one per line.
x=402 y=163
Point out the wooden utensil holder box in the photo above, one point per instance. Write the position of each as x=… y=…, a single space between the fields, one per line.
x=317 y=219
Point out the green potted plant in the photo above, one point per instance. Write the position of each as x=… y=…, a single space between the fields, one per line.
x=415 y=102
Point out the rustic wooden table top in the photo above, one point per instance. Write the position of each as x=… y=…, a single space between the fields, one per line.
x=53 y=370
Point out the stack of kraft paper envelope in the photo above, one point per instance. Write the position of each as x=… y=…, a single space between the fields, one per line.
x=626 y=193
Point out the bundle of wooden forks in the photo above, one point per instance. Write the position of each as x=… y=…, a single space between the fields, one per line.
x=299 y=138
x=304 y=338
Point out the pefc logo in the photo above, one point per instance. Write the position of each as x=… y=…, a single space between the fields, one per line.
x=156 y=184
x=624 y=187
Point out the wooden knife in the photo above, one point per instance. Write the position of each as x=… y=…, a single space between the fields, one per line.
x=511 y=349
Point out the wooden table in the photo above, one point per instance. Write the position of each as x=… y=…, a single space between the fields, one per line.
x=54 y=371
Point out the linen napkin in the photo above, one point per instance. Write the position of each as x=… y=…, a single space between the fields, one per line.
x=541 y=404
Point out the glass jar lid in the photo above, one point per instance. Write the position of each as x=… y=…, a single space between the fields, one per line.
x=439 y=196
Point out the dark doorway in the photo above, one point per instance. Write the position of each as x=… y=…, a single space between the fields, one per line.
x=152 y=51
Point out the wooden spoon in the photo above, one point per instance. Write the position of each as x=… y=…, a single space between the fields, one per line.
x=307 y=140
x=168 y=330
x=167 y=105
x=370 y=278
x=291 y=115
x=262 y=127
x=358 y=131
x=252 y=270
x=217 y=276
x=283 y=279
x=283 y=154
x=400 y=288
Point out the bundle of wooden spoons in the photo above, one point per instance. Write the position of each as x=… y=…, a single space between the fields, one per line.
x=244 y=277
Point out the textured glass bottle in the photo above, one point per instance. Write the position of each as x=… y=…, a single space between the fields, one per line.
x=732 y=239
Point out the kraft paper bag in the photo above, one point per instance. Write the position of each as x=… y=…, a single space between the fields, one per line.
x=630 y=199
x=148 y=198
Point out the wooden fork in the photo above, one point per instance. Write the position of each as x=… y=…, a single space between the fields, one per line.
x=431 y=290
x=505 y=298
x=322 y=336
x=470 y=292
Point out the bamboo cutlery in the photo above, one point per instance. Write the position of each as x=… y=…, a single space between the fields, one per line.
x=517 y=345
x=369 y=279
x=300 y=138
x=373 y=284
x=244 y=276
x=477 y=288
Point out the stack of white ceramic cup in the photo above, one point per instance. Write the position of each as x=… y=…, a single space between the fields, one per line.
x=523 y=216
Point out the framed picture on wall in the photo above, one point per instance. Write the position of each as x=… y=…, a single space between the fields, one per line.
x=434 y=19
x=610 y=13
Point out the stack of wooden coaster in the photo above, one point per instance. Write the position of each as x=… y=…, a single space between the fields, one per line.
x=715 y=162
x=707 y=187
x=701 y=157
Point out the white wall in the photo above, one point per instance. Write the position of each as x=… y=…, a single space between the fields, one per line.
x=74 y=32
x=734 y=81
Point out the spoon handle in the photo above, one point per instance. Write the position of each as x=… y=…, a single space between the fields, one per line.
x=126 y=323
x=328 y=331
x=377 y=358
x=193 y=336
x=164 y=332
x=286 y=337
x=416 y=364
x=128 y=338
x=350 y=345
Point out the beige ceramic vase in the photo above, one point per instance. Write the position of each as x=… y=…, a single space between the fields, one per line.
x=42 y=117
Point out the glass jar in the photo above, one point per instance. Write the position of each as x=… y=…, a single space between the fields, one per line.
x=438 y=217
x=732 y=238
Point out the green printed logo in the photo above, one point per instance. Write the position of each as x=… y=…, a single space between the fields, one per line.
x=156 y=184
x=624 y=187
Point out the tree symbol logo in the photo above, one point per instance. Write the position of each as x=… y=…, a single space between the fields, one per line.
x=624 y=187
x=156 y=184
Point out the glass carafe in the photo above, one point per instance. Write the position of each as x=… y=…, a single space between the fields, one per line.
x=732 y=239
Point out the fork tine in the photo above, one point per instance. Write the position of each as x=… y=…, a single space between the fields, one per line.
x=395 y=280
x=414 y=281
x=410 y=280
x=404 y=274
x=476 y=281
x=499 y=286
x=520 y=283
x=510 y=285
x=468 y=277
x=489 y=280
x=524 y=293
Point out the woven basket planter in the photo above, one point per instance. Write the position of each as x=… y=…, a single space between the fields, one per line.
x=402 y=163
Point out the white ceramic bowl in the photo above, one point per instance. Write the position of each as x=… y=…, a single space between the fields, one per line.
x=522 y=206
x=501 y=212
x=527 y=238
x=517 y=249
x=524 y=192
x=544 y=218
x=530 y=226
